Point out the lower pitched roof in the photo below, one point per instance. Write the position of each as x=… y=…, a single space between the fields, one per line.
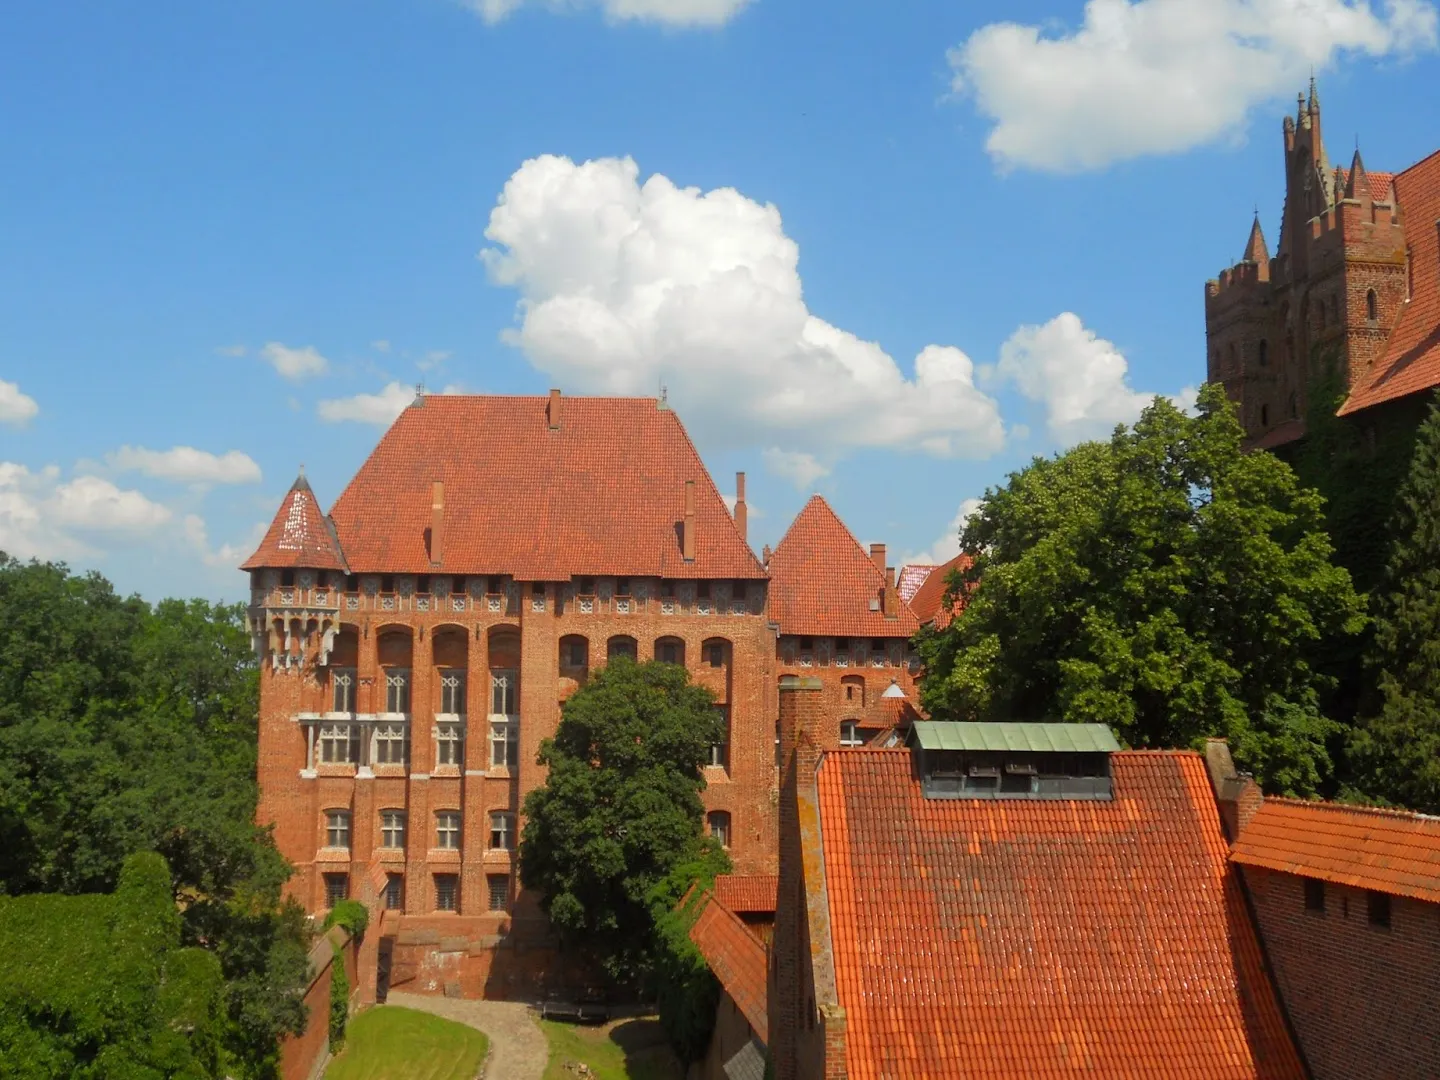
x=747 y=893
x=1043 y=939
x=737 y=958
x=1389 y=851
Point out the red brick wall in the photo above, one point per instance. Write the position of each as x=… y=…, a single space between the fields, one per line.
x=851 y=692
x=301 y=1055
x=1362 y=999
x=527 y=631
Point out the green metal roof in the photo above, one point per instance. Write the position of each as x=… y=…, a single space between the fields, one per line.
x=1069 y=738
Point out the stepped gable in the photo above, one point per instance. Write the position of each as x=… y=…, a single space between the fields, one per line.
x=539 y=488
x=822 y=581
x=1389 y=851
x=1411 y=362
x=1043 y=938
x=298 y=536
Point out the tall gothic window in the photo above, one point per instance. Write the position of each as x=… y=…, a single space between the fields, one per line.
x=397 y=690
x=452 y=691
x=1372 y=306
x=342 y=684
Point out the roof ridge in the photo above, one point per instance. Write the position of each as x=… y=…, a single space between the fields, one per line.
x=1353 y=808
x=705 y=472
x=1417 y=164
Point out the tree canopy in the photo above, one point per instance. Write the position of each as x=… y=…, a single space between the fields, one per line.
x=1162 y=583
x=98 y=986
x=620 y=815
x=127 y=728
x=1397 y=751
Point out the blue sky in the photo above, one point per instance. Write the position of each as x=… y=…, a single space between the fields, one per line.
x=885 y=252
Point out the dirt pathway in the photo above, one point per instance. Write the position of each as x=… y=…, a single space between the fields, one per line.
x=518 y=1050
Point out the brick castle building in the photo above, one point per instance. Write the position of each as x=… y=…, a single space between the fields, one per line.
x=1352 y=291
x=418 y=641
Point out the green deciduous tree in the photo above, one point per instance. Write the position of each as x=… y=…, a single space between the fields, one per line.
x=127 y=728
x=620 y=810
x=1397 y=751
x=1162 y=583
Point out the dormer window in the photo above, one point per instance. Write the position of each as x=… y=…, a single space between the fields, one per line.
x=1013 y=761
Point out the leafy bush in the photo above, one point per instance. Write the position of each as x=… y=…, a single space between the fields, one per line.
x=339 y=1000
x=350 y=914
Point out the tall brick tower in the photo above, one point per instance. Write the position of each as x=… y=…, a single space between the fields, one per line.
x=1333 y=292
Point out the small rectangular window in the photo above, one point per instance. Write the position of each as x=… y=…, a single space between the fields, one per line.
x=715 y=654
x=502 y=827
x=850 y=734
x=447 y=830
x=392 y=744
x=394 y=891
x=499 y=889
x=719 y=823
x=337 y=888
x=1314 y=894
x=504 y=744
x=1377 y=908
x=668 y=652
x=449 y=744
x=397 y=690
x=587 y=586
x=452 y=691
x=337 y=828
x=667 y=590
x=342 y=683
x=392 y=828
x=447 y=892
x=340 y=744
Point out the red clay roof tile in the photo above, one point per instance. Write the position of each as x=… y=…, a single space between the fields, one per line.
x=602 y=494
x=737 y=958
x=747 y=893
x=926 y=604
x=1379 y=182
x=911 y=578
x=1389 y=851
x=298 y=536
x=1412 y=356
x=822 y=581
x=1043 y=939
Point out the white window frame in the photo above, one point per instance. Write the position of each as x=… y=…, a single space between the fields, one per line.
x=718 y=825
x=504 y=722
x=448 y=830
x=397 y=690
x=452 y=691
x=337 y=828
x=449 y=743
x=502 y=825
x=850 y=733
x=392 y=829
x=506 y=684
x=342 y=690
x=385 y=738
x=339 y=744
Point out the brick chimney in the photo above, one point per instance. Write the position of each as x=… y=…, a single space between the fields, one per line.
x=688 y=537
x=1237 y=796
x=742 y=515
x=437 y=522
x=552 y=411
x=877 y=556
x=891 y=603
x=765 y=555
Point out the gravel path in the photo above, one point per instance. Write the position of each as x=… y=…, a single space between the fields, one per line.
x=518 y=1050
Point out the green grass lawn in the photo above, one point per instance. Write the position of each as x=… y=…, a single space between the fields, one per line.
x=623 y=1050
x=391 y=1043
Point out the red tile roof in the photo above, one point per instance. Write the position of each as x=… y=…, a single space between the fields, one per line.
x=1412 y=356
x=1386 y=850
x=298 y=536
x=926 y=604
x=1379 y=182
x=737 y=958
x=911 y=578
x=603 y=494
x=822 y=581
x=1043 y=939
x=747 y=893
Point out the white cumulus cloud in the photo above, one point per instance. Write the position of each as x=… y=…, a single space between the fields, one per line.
x=226 y=556
x=675 y=13
x=1080 y=378
x=627 y=285
x=947 y=544
x=16 y=407
x=187 y=464
x=800 y=468
x=295 y=363
x=1144 y=77
x=381 y=408
x=90 y=503
x=43 y=517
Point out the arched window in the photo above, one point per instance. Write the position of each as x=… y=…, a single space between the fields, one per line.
x=1372 y=306
x=852 y=691
x=718 y=822
x=1264 y=352
x=621 y=645
x=574 y=652
x=670 y=650
x=715 y=652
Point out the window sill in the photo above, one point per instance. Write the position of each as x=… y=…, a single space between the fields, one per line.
x=445 y=770
x=389 y=769
x=443 y=856
x=716 y=774
x=390 y=856
x=498 y=772
x=333 y=855
x=336 y=770
x=498 y=856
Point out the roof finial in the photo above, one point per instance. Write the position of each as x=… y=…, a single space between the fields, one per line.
x=1314 y=95
x=302 y=468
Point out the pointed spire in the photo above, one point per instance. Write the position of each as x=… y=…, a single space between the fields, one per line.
x=1255 y=249
x=299 y=535
x=1359 y=184
x=1314 y=106
x=1299 y=108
